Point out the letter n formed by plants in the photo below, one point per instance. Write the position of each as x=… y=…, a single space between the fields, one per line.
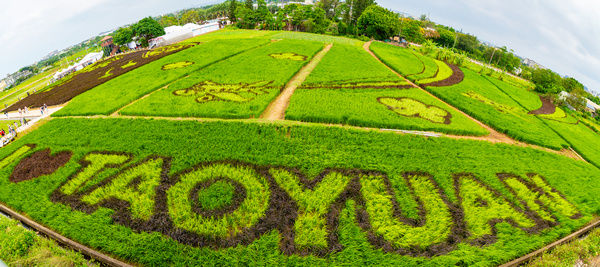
x=313 y=204
x=535 y=192
x=484 y=208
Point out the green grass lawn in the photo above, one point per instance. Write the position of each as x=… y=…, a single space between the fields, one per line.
x=481 y=99
x=240 y=87
x=403 y=60
x=264 y=160
x=116 y=93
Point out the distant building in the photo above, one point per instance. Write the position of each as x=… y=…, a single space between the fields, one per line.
x=532 y=64
x=109 y=48
x=3 y=84
x=591 y=106
x=176 y=34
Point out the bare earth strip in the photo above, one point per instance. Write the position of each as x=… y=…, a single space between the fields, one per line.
x=494 y=136
x=276 y=110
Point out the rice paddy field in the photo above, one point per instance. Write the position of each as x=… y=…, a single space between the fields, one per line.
x=174 y=162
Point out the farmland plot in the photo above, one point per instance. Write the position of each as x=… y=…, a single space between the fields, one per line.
x=240 y=87
x=481 y=99
x=121 y=91
x=351 y=87
x=96 y=74
x=291 y=195
x=581 y=137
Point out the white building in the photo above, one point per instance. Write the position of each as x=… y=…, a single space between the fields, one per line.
x=176 y=34
x=87 y=60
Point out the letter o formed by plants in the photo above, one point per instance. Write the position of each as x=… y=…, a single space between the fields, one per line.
x=248 y=213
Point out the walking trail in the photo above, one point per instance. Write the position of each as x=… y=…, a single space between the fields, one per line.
x=276 y=110
x=494 y=136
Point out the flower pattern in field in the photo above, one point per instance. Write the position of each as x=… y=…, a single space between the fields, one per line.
x=290 y=56
x=211 y=91
x=409 y=107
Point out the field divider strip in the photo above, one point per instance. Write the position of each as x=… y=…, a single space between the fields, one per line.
x=276 y=109
x=519 y=261
x=432 y=134
x=103 y=258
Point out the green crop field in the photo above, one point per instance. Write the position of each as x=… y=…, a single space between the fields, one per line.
x=402 y=60
x=349 y=64
x=116 y=93
x=240 y=87
x=409 y=109
x=352 y=97
x=155 y=198
x=483 y=100
x=169 y=164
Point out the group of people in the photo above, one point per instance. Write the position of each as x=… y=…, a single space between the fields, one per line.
x=12 y=128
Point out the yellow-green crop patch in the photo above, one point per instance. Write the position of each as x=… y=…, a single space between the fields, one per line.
x=296 y=195
x=118 y=92
x=239 y=87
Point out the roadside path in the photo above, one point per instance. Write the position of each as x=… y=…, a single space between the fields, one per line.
x=276 y=110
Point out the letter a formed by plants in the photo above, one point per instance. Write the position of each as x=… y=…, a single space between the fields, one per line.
x=378 y=204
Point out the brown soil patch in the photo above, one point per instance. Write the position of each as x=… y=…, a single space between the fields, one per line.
x=86 y=80
x=456 y=78
x=276 y=110
x=547 y=107
x=39 y=164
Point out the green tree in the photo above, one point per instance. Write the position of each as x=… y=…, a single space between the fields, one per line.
x=546 y=81
x=169 y=20
x=358 y=7
x=246 y=18
x=411 y=30
x=378 y=23
x=571 y=85
x=467 y=43
x=249 y=4
x=190 y=16
x=123 y=36
x=146 y=29
x=330 y=7
x=232 y=7
x=446 y=38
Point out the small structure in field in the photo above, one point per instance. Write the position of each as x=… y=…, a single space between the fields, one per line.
x=108 y=46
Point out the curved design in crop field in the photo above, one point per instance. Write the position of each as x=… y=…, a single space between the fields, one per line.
x=456 y=78
x=210 y=91
x=409 y=107
x=95 y=75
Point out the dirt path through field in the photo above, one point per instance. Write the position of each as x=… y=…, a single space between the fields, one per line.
x=494 y=136
x=276 y=110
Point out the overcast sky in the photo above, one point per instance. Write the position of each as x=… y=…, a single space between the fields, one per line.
x=561 y=35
